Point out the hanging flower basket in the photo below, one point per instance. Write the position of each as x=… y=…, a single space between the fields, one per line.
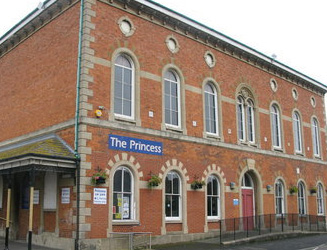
x=196 y=184
x=154 y=181
x=313 y=190
x=293 y=189
x=99 y=178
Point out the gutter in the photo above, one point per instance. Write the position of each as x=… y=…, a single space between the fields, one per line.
x=77 y=121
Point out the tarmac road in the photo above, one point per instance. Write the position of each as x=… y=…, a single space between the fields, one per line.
x=304 y=242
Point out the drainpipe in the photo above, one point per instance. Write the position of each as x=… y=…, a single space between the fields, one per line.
x=77 y=117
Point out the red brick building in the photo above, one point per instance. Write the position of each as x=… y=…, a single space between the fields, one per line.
x=160 y=97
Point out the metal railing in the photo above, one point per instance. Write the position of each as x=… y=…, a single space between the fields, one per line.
x=244 y=227
x=131 y=240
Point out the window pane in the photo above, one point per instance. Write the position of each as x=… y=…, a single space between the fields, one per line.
x=176 y=184
x=118 y=74
x=214 y=206
x=168 y=184
x=126 y=207
x=175 y=205
x=215 y=186
x=209 y=206
x=127 y=182
x=127 y=107
x=127 y=92
x=118 y=181
x=168 y=206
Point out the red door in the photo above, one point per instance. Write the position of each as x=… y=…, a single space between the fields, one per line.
x=247 y=204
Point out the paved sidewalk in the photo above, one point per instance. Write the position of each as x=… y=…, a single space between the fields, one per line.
x=20 y=245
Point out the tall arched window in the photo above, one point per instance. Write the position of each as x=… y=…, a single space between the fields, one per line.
x=123 y=194
x=173 y=197
x=301 y=198
x=320 y=199
x=213 y=198
x=124 y=86
x=315 y=137
x=172 y=99
x=297 y=132
x=275 y=126
x=211 y=109
x=279 y=197
x=245 y=117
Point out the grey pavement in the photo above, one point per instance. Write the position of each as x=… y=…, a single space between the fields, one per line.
x=303 y=242
x=20 y=245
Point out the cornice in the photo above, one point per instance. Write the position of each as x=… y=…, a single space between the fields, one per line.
x=32 y=23
x=215 y=40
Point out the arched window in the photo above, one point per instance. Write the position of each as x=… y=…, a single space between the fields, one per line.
x=123 y=194
x=301 y=198
x=247 y=181
x=245 y=117
x=315 y=137
x=213 y=198
x=275 y=126
x=211 y=109
x=172 y=99
x=297 y=132
x=279 y=197
x=124 y=86
x=173 y=197
x=320 y=199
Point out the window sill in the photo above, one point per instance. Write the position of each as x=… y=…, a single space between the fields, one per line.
x=126 y=222
x=124 y=119
x=212 y=136
x=173 y=128
x=299 y=153
x=177 y=221
x=278 y=150
x=249 y=144
x=213 y=220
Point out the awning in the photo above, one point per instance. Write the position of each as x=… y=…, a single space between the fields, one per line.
x=46 y=153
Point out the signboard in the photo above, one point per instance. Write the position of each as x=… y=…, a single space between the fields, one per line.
x=36 y=197
x=65 y=195
x=100 y=196
x=135 y=145
x=235 y=202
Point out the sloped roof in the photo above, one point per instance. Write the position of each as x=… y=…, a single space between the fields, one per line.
x=51 y=146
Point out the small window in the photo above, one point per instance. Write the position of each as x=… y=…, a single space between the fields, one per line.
x=313 y=102
x=279 y=198
x=211 y=110
x=173 y=197
x=247 y=181
x=273 y=85
x=213 y=197
x=172 y=99
x=297 y=132
x=320 y=200
x=295 y=94
x=123 y=194
x=124 y=87
x=275 y=126
x=172 y=44
x=315 y=137
x=301 y=199
x=210 y=59
x=126 y=26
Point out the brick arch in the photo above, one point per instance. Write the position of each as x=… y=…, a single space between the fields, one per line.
x=213 y=169
x=174 y=164
x=247 y=165
x=124 y=158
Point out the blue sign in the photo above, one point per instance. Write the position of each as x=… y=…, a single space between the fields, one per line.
x=135 y=145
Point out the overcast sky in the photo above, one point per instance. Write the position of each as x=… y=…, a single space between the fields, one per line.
x=294 y=30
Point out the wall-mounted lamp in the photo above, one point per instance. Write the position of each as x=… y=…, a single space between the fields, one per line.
x=269 y=188
x=232 y=185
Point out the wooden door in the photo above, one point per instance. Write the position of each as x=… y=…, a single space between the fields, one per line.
x=247 y=204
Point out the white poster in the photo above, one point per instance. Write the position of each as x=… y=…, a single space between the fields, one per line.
x=36 y=197
x=100 y=196
x=65 y=195
x=126 y=208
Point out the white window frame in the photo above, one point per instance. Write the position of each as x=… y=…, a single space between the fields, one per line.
x=301 y=197
x=320 y=200
x=212 y=196
x=178 y=86
x=250 y=120
x=315 y=137
x=207 y=95
x=180 y=203
x=122 y=192
x=276 y=126
x=297 y=131
x=132 y=69
x=279 y=197
x=50 y=191
x=240 y=119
